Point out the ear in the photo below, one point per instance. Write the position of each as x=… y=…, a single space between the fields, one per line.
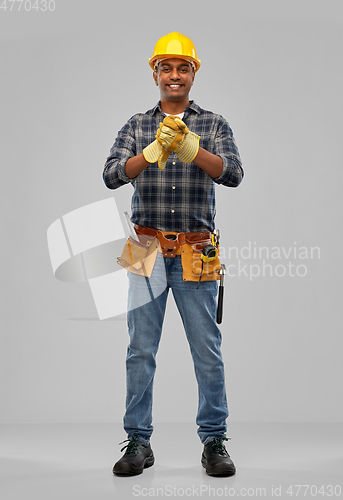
x=154 y=75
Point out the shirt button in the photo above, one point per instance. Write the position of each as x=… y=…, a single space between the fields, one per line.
x=173 y=187
x=172 y=211
x=174 y=163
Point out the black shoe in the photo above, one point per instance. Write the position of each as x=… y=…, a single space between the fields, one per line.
x=216 y=459
x=138 y=456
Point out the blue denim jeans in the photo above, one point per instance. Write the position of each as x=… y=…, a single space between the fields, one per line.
x=146 y=307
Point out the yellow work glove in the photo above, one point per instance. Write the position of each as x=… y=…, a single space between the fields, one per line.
x=152 y=152
x=162 y=161
x=169 y=136
x=187 y=150
x=159 y=149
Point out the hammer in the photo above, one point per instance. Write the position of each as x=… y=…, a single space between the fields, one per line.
x=221 y=294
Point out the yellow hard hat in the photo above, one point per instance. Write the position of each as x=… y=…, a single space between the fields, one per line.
x=175 y=45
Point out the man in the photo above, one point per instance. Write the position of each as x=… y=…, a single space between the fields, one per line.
x=173 y=166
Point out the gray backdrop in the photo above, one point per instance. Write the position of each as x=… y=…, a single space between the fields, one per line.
x=69 y=80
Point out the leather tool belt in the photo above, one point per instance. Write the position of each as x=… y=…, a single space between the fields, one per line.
x=139 y=257
x=171 y=242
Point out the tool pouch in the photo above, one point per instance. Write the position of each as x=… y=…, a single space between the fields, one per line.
x=192 y=263
x=139 y=257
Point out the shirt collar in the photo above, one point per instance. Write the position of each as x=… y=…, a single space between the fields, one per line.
x=192 y=105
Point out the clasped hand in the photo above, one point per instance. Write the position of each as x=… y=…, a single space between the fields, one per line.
x=172 y=135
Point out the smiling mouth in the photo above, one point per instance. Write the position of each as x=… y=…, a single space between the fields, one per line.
x=174 y=86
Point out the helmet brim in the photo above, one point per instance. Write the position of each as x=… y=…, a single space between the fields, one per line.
x=152 y=60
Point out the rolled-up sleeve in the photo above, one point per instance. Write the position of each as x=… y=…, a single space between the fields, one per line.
x=225 y=147
x=114 y=174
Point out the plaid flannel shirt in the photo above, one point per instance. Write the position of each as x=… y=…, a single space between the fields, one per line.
x=181 y=197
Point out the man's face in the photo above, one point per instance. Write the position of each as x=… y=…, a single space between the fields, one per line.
x=175 y=78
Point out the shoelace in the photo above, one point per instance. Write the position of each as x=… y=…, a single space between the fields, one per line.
x=217 y=445
x=131 y=446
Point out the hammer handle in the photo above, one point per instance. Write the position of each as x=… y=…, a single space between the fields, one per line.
x=220 y=304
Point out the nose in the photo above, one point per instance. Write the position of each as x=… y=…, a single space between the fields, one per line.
x=174 y=75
